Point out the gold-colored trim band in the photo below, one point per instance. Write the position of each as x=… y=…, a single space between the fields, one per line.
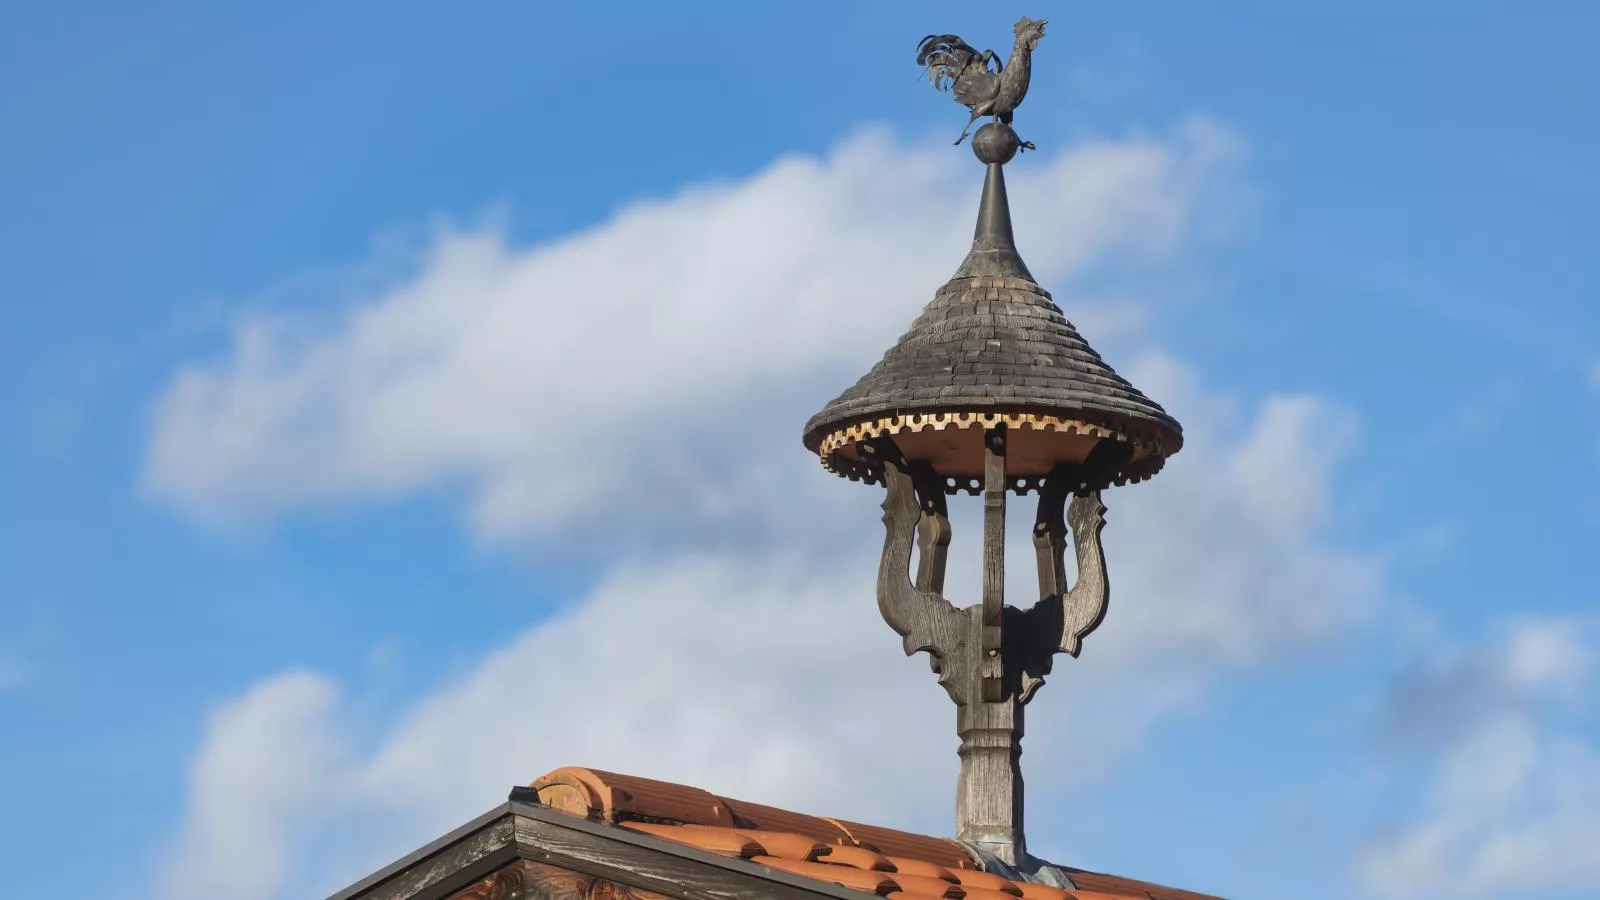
x=837 y=463
x=914 y=422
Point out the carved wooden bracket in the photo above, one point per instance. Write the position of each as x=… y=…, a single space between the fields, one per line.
x=1022 y=641
x=989 y=657
x=918 y=612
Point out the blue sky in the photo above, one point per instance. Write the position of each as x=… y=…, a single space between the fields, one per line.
x=341 y=344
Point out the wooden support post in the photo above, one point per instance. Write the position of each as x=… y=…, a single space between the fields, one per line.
x=933 y=530
x=994 y=563
x=989 y=788
x=1050 y=537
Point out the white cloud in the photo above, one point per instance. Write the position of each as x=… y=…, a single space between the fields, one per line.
x=672 y=354
x=263 y=770
x=771 y=678
x=1546 y=655
x=683 y=339
x=1514 y=806
x=767 y=677
x=1458 y=689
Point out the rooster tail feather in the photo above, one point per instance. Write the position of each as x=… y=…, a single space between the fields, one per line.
x=932 y=44
x=946 y=57
x=944 y=49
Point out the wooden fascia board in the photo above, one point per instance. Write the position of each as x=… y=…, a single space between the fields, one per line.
x=525 y=831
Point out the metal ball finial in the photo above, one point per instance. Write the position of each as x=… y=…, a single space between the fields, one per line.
x=995 y=143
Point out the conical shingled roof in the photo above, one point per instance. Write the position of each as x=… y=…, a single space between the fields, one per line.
x=995 y=347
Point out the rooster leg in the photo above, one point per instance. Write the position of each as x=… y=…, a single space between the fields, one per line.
x=967 y=129
x=1025 y=146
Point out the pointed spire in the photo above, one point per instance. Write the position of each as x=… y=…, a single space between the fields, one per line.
x=994 y=247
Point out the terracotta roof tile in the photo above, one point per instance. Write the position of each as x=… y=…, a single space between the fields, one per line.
x=868 y=858
x=923 y=886
x=889 y=842
x=625 y=796
x=716 y=840
x=860 y=857
x=973 y=893
x=791 y=846
x=858 y=879
x=921 y=867
x=972 y=878
x=770 y=818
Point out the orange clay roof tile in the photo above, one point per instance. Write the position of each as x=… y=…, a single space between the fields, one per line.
x=716 y=840
x=860 y=857
x=976 y=893
x=867 y=858
x=783 y=843
x=890 y=842
x=972 y=878
x=625 y=796
x=923 y=886
x=859 y=879
x=921 y=867
x=770 y=818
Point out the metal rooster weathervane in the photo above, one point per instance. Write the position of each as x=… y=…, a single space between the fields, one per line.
x=983 y=84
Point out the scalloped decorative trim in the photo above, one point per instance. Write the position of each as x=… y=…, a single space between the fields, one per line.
x=914 y=422
x=860 y=470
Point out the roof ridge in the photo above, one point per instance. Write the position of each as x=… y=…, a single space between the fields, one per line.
x=788 y=841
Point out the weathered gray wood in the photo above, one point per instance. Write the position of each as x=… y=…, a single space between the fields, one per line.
x=444 y=866
x=643 y=861
x=933 y=530
x=1084 y=607
x=991 y=686
x=1050 y=536
x=989 y=794
x=1061 y=619
x=924 y=619
x=990 y=657
x=524 y=879
x=519 y=830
